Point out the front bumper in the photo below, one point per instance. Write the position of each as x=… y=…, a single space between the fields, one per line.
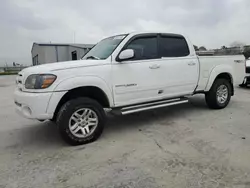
x=32 y=105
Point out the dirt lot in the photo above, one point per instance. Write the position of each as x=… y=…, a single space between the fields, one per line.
x=182 y=146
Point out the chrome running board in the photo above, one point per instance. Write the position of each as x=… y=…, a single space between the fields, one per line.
x=149 y=106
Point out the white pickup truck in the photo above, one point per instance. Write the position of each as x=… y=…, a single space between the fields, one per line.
x=124 y=74
x=246 y=81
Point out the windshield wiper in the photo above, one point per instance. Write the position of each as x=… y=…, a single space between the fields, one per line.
x=92 y=57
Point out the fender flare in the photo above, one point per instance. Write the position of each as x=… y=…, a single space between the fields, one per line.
x=220 y=69
x=85 y=81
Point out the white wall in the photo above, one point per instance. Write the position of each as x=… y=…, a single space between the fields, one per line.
x=63 y=53
x=80 y=52
x=38 y=50
x=48 y=54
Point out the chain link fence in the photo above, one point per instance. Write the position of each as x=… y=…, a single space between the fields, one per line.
x=11 y=70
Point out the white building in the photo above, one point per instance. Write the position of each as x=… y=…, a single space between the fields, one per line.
x=48 y=53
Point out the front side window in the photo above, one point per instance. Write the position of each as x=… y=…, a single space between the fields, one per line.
x=104 y=48
x=144 y=48
x=173 y=47
x=74 y=55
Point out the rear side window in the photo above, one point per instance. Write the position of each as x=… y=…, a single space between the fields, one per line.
x=173 y=47
x=144 y=48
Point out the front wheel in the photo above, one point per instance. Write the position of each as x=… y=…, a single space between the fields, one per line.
x=219 y=95
x=81 y=121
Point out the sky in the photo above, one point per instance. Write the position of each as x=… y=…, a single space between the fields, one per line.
x=209 y=23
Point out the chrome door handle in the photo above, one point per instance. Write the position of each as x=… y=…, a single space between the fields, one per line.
x=191 y=63
x=155 y=66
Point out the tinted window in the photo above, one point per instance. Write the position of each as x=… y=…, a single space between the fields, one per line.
x=74 y=55
x=144 y=48
x=173 y=47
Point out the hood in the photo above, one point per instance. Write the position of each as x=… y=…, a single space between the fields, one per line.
x=50 y=67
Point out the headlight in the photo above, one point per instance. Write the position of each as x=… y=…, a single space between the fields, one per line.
x=39 y=81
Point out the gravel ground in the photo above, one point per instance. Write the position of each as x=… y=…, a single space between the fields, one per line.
x=185 y=146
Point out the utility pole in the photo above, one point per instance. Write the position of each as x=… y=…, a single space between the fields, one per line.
x=74 y=37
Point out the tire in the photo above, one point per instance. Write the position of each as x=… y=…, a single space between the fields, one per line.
x=212 y=100
x=67 y=115
x=244 y=83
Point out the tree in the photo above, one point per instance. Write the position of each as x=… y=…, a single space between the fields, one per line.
x=196 y=48
x=246 y=52
x=202 y=48
x=237 y=44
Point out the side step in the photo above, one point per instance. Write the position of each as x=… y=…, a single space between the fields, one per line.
x=149 y=106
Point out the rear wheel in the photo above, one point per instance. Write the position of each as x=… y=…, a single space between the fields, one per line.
x=81 y=121
x=220 y=94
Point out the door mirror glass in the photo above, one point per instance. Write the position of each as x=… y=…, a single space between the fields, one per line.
x=126 y=54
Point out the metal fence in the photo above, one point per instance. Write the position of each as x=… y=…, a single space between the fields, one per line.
x=221 y=52
x=11 y=70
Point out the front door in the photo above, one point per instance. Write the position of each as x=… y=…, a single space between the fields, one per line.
x=137 y=80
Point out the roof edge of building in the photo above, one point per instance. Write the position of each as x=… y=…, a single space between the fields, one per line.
x=82 y=46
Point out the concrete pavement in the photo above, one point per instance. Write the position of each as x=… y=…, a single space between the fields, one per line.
x=181 y=146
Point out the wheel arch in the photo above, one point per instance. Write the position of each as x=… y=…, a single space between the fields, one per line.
x=81 y=86
x=92 y=92
x=222 y=71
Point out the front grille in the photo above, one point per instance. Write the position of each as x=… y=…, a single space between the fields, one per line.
x=247 y=69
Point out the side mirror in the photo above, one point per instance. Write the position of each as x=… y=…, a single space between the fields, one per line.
x=126 y=54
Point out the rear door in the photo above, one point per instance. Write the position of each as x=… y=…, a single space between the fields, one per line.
x=179 y=68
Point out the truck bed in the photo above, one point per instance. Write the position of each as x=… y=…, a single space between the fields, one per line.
x=210 y=64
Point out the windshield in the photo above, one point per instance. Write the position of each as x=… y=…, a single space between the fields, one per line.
x=104 y=48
